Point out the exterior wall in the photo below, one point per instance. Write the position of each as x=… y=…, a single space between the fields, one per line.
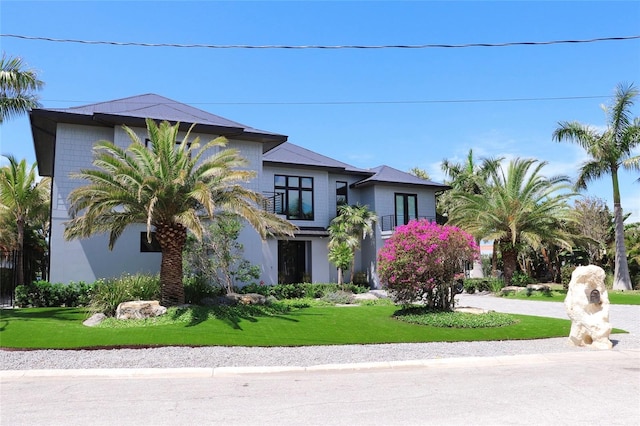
x=89 y=259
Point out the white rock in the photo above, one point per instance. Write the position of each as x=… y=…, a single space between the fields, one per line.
x=587 y=305
x=94 y=319
x=138 y=309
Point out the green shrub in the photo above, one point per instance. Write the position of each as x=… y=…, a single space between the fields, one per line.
x=197 y=288
x=108 y=294
x=520 y=279
x=338 y=297
x=426 y=316
x=43 y=294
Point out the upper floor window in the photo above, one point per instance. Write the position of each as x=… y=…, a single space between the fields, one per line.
x=297 y=192
x=406 y=208
x=341 y=194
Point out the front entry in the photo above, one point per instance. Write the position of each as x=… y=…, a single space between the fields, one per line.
x=293 y=261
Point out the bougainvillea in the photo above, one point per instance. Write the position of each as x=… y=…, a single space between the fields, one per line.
x=420 y=261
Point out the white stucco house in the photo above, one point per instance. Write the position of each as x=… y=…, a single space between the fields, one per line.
x=303 y=186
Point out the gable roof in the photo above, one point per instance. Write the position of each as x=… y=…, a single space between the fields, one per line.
x=386 y=174
x=293 y=155
x=133 y=111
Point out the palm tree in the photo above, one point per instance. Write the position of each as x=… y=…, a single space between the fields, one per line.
x=352 y=225
x=518 y=208
x=469 y=177
x=609 y=151
x=17 y=85
x=171 y=188
x=24 y=201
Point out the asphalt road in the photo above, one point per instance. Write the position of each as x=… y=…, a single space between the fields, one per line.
x=594 y=387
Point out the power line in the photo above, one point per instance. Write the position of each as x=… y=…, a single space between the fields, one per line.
x=352 y=46
x=390 y=102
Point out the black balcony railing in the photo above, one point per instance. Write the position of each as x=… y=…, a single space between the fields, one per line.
x=389 y=222
x=273 y=202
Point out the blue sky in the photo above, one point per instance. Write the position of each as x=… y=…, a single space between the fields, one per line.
x=363 y=107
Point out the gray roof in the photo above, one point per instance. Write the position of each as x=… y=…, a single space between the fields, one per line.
x=132 y=111
x=386 y=174
x=291 y=154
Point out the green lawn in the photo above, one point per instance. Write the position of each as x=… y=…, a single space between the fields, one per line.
x=62 y=328
x=615 y=297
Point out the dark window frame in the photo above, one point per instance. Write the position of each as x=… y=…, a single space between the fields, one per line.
x=406 y=216
x=292 y=185
x=339 y=193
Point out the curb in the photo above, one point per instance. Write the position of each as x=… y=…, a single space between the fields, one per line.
x=195 y=372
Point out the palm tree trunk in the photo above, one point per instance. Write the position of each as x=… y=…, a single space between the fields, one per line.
x=621 y=278
x=509 y=260
x=171 y=238
x=20 y=254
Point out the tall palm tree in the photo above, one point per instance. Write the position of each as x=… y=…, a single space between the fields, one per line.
x=23 y=200
x=17 y=85
x=170 y=188
x=609 y=151
x=352 y=225
x=468 y=177
x=517 y=208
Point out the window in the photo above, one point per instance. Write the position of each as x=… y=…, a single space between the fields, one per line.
x=297 y=193
x=149 y=247
x=406 y=208
x=341 y=194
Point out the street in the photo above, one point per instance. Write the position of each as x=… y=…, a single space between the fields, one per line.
x=594 y=387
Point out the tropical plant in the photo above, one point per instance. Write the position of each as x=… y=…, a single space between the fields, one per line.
x=169 y=187
x=24 y=203
x=17 y=85
x=218 y=256
x=420 y=261
x=609 y=151
x=341 y=255
x=469 y=177
x=352 y=225
x=419 y=172
x=595 y=226
x=517 y=208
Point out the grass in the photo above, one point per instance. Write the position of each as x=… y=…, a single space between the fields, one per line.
x=61 y=328
x=615 y=297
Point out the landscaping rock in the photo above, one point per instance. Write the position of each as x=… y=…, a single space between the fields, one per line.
x=245 y=299
x=587 y=305
x=139 y=309
x=538 y=287
x=95 y=319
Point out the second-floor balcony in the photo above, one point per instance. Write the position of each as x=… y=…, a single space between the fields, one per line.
x=273 y=202
x=389 y=222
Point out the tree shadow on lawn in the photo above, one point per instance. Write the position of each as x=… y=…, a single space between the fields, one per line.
x=231 y=315
x=30 y=314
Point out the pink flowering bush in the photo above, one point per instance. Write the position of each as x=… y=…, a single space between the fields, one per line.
x=421 y=261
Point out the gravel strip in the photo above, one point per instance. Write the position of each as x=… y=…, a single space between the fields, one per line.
x=628 y=318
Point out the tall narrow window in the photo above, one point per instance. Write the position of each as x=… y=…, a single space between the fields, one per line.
x=297 y=192
x=406 y=208
x=341 y=194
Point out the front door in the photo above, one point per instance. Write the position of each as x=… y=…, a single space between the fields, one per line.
x=292 y=262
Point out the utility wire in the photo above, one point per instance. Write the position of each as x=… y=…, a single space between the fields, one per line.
x=353 y=46
x=428 y=101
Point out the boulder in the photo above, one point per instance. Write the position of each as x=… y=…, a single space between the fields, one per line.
x=139 y=309
x=539 y=287
x=587 y=305
x=243 y=299
x=94 y=319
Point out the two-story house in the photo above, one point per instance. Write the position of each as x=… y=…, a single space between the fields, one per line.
x=301 y=185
